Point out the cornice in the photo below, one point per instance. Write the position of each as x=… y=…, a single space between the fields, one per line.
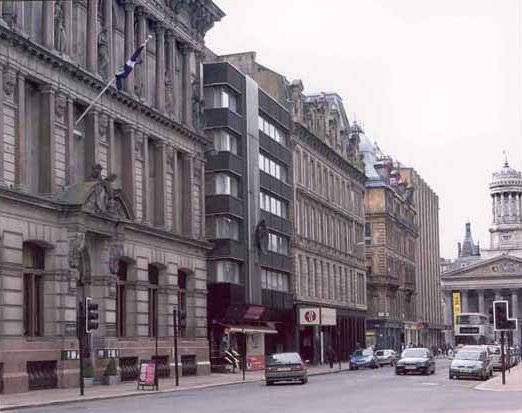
x=300 y=132
x=97 y=84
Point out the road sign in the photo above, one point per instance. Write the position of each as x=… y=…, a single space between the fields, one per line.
x=501 y=320
x=309 y=316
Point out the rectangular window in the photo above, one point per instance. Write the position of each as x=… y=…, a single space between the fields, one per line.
x=275 y=280
x=272 y=168
x=271 y=130
x=278 y=244
x=227 y=228
x=227 y=272
x=220 y=97
x=225 y=142
x=226 y=185
x=273 y=205
x=33 y=305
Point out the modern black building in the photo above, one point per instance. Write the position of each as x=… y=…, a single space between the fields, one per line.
x=248 y=203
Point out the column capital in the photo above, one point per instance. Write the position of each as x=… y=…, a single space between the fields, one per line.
x=159 y=28
x=170 y=36
x=47 y=88
x=129 y=5
x=140 y=11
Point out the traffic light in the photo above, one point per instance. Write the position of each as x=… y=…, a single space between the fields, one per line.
x=501 y=316
x=91 y=315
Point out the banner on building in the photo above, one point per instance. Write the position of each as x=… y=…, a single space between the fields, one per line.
x=328 y=316
x=309 y=316
x=456 y=306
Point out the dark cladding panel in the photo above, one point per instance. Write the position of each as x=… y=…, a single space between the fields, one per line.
x=277 y=150
x=223 y=73
x=225 y=161
x=274 y=110
x=223 y=118
x=275 y=186
x=225 y=248
x=216 y=204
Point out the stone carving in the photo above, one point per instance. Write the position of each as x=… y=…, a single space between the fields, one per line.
x=169 y=98
x=9 y=82
x=138 y=145
x=103 y=198
x=115 y=253
x=171 y=153
x=103 y=54
x=507 y=267
x=60 y=102
x=102 y=127
x=79 y=257
x=60 y=36
x=197 y=105
x=261 y=237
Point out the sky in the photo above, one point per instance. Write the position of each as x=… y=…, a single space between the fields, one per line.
x=437 y=83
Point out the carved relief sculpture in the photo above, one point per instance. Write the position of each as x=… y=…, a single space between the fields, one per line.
x=60 y=36
x=102 y=126
x=197 y=105
x=9 y=82
x=60 y=103
x=103 y=54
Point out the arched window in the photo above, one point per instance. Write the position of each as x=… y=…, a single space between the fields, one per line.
x=121 y=302
x=153 y=300
x=182 y=303
x=34 y=265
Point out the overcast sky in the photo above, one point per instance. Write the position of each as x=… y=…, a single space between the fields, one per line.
x=437 y=83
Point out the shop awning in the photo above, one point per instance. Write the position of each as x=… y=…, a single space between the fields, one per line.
x=251 y=329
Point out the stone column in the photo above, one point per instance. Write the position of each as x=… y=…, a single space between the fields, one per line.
x=186 y=191
x=129 y=41
x=91 y=141
x=494 y=208
x=187 y=86
x=148 y=214
x=1 y=118
x=92 y=36
x=48 y=24
x=161 y=184
x=170 y=65
x=70 y=151
x=510 y=205
x=481 y=308
x=464 y=304
x=517 y=201
x=129 y=162
x=142 y=85
x=500 y=207
x=68 y=23
x=109 y=37
x=176 y=192
x=514 y=303
x=160 y=68
x=47 y=147
x=21 y=144
x=19 y=12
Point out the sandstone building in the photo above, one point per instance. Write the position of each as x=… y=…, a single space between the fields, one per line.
x=111 y=207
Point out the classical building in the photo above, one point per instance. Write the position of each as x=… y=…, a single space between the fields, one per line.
x=249 y=181
x=478 y=277
x=111 y=206
x=428 y=293
x=391 y=234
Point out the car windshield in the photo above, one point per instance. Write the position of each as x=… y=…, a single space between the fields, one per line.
x=367 y=352
x=468 y=355
x=283 y=358
x=414 y=352
x=379 y=353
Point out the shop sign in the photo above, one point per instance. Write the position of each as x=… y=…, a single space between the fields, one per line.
x=309 y=316
x=256 y=362
x=328 y=316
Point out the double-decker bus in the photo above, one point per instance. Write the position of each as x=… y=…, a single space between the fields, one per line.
x=473 y=329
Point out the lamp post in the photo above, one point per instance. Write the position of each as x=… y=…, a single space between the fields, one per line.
x=175 y=319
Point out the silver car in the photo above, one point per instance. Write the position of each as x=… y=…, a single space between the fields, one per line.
x=471 y=363
x=285 y=367
x=386 y=357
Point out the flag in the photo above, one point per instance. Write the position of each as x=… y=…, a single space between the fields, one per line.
x=126 y=69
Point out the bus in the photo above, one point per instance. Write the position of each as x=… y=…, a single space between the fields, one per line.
x=473 y=329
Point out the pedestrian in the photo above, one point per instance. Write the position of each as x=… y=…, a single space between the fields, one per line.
x=330 y=356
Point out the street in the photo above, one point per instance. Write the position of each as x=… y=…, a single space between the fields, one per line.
x=354 y=391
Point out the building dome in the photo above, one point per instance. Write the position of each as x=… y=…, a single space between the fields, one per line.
x=367 y=150
x=505 y=179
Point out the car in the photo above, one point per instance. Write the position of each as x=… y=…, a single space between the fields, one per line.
x=471 y=363
x=415 y=360
x=363 y=359
x=386 y=357
x=285 y=367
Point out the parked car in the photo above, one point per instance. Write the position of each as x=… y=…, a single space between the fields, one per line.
x=285 y=367
x=363 y=359
x=419 y=360
x=473 y=363
x=386 y=357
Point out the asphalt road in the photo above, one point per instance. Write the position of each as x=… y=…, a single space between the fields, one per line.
x=363 y=391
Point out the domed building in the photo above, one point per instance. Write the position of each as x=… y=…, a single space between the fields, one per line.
x=480 y=276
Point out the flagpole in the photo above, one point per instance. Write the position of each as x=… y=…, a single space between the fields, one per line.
x=107 y=86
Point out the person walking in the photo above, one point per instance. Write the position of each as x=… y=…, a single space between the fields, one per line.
x=330 y=355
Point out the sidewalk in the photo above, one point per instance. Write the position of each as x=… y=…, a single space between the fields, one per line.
x=513 y=381
x=40 y=398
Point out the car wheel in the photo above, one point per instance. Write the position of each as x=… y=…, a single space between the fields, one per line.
x=397 y=373
x=304 y=381
x=269 y=383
